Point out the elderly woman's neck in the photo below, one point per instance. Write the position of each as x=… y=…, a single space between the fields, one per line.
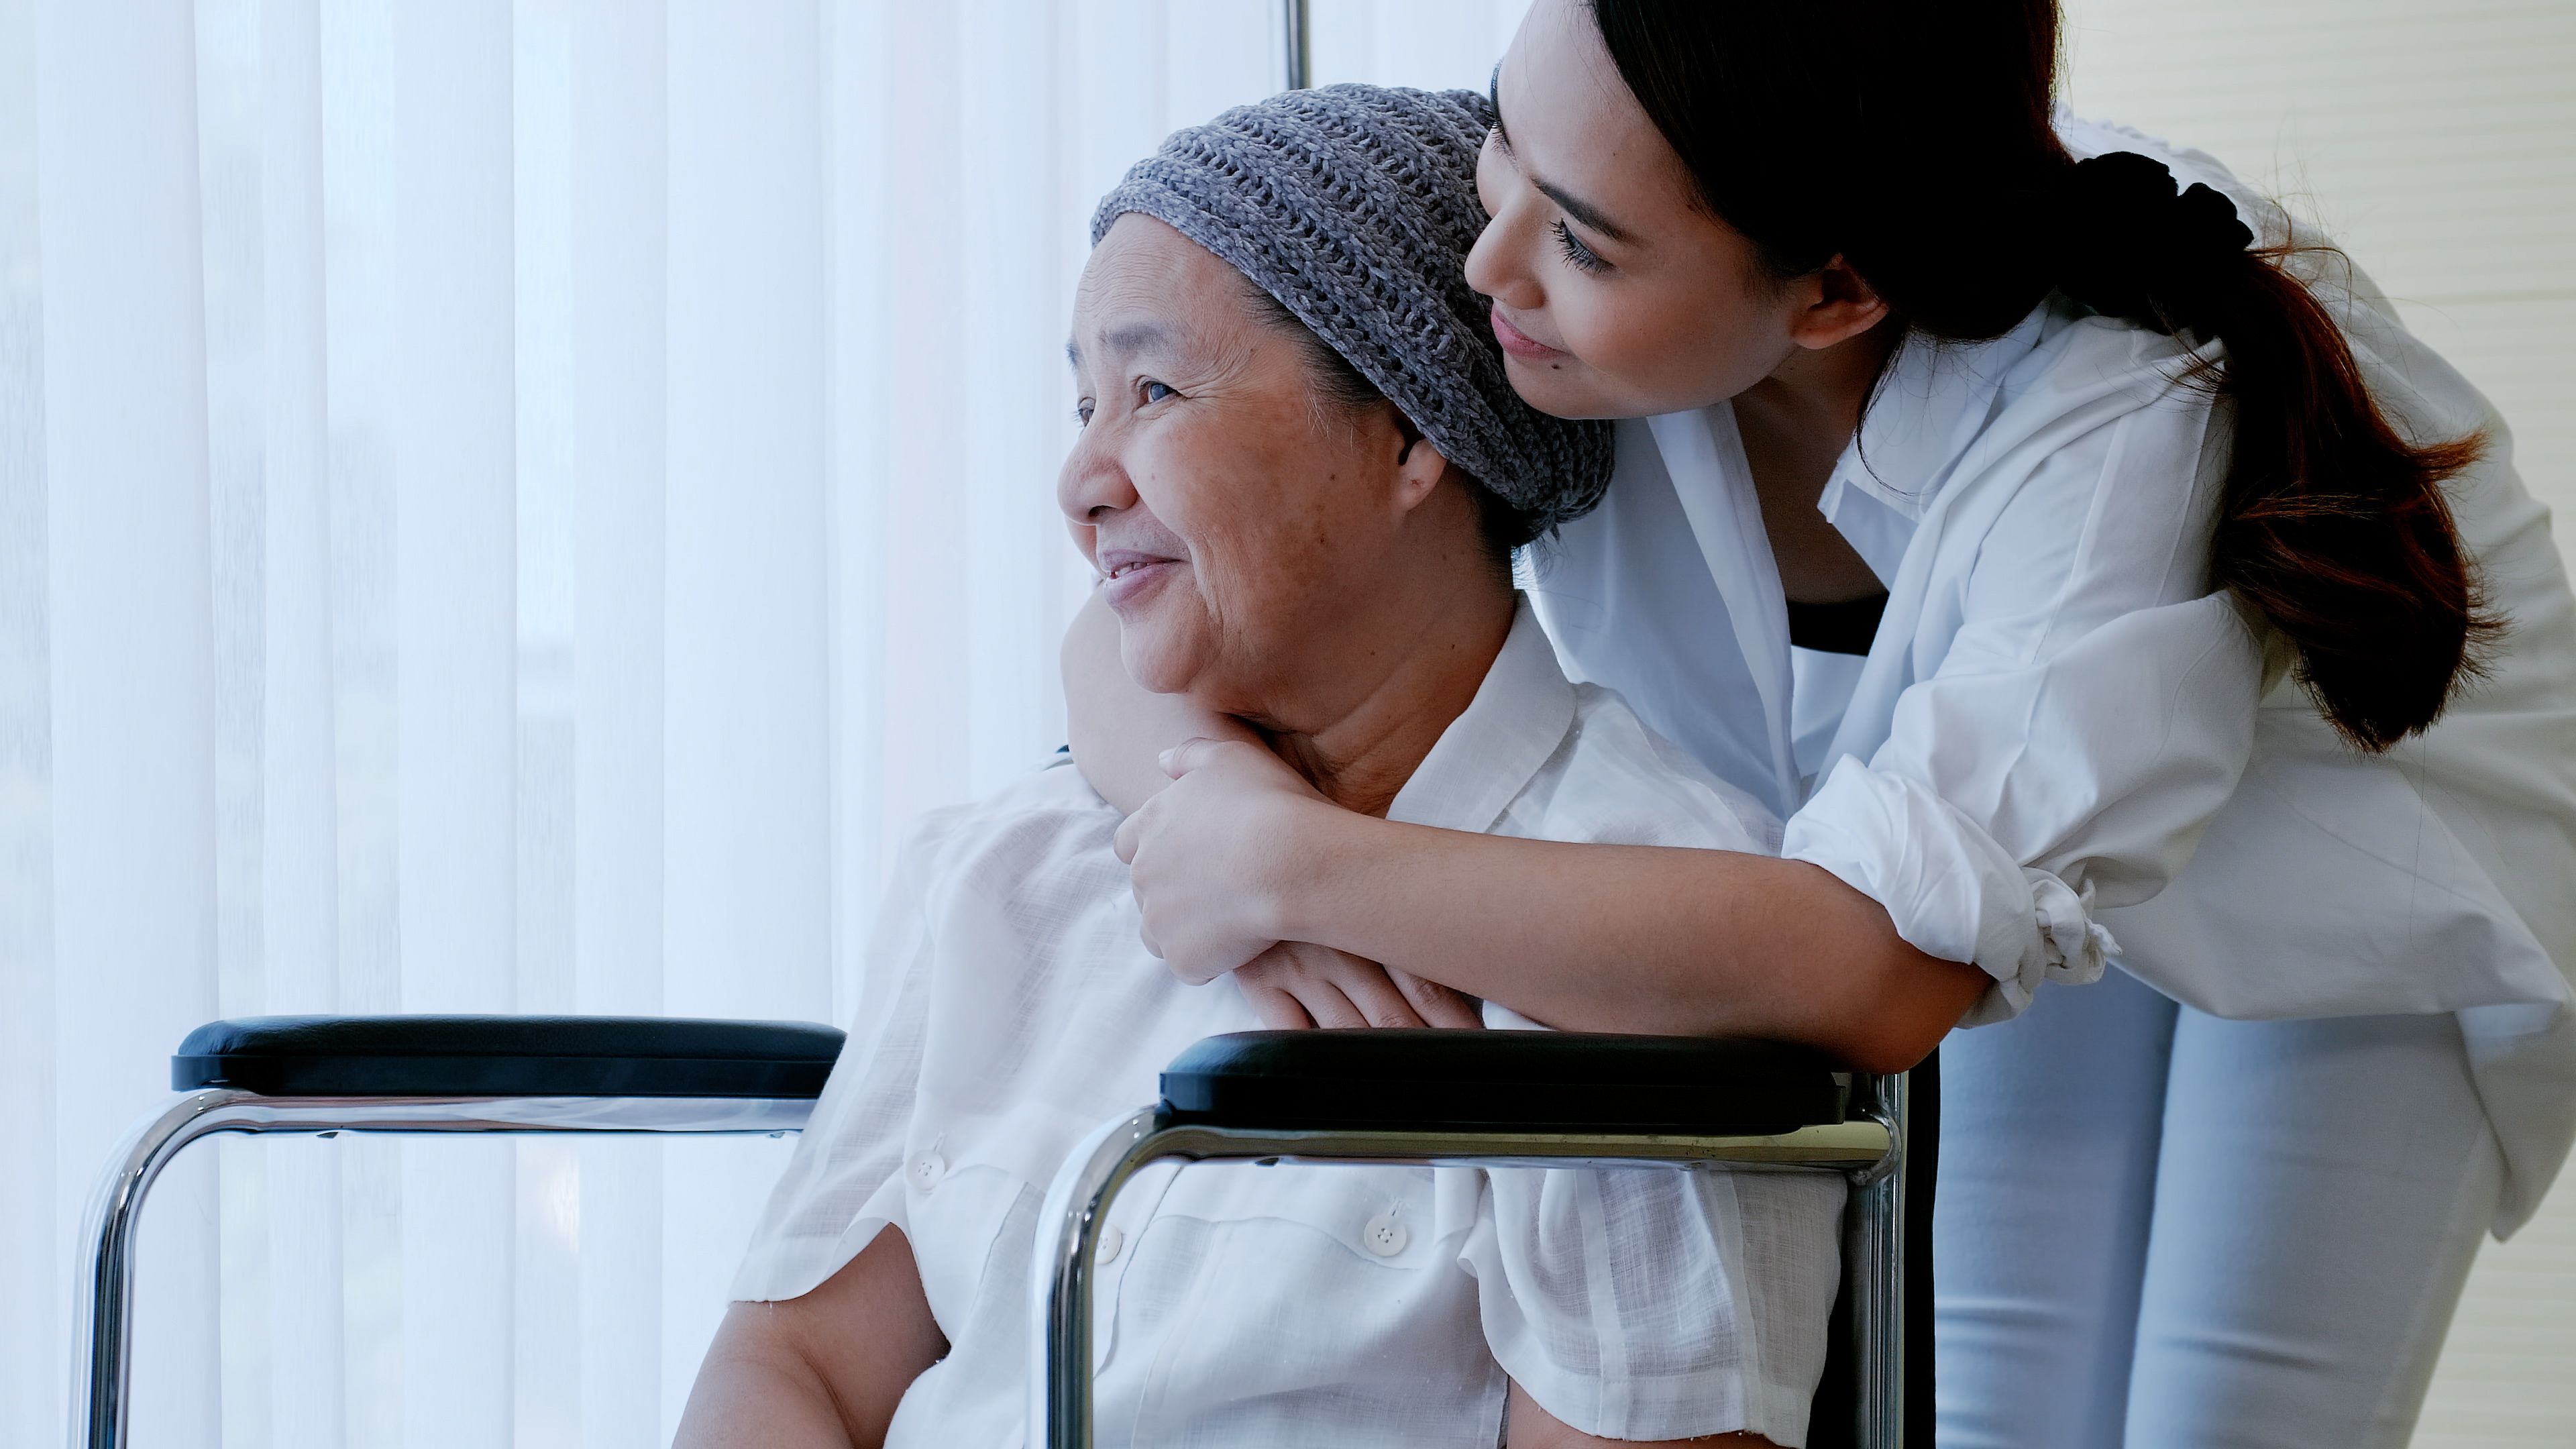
x=1399 y=689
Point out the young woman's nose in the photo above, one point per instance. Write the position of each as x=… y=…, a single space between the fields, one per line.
x=1094 y=481
x=1497 y=263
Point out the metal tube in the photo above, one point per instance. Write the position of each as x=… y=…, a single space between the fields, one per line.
x=1078 y=1201
x=1874 y=1253
x=1060 y=1330
x=1299 y=34
x=103 y=1308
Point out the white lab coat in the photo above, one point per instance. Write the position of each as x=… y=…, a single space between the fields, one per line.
x=2066 y=746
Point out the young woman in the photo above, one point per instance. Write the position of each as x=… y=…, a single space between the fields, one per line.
x=2090 y=576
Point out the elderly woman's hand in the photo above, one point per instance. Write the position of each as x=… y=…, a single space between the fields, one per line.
x=1296 y=984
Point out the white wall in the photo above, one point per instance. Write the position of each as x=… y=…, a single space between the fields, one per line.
x=2437 y=143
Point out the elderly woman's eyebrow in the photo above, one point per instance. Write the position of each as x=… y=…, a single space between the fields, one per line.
x=1131 y=337
x=1125 y=339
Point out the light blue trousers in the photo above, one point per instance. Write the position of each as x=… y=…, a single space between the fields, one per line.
x=2161 y=1230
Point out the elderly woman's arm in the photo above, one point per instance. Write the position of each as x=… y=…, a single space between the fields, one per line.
x=824 y=1371
x=1532 y=1427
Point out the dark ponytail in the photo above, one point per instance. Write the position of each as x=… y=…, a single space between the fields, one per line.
x=1916 y=142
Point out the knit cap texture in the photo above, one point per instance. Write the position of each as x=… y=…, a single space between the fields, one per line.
x=1355 y=207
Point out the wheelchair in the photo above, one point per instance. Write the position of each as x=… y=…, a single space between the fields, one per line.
x=1443 y=1098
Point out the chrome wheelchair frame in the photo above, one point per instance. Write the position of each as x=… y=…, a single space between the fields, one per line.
x=1423 y=1097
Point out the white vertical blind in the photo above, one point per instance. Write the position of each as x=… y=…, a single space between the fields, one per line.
x=510 y=507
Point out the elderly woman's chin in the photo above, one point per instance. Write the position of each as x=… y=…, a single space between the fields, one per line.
x=1163 y=653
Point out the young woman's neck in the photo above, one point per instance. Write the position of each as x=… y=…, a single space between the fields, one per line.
x=1813 y=402
x=1795 y=424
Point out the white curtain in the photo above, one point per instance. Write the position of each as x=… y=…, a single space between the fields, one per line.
x=510 y=508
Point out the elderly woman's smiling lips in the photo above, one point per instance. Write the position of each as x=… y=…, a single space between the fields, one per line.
x=1132 y=573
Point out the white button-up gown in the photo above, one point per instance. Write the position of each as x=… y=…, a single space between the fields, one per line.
x=1009 y=1008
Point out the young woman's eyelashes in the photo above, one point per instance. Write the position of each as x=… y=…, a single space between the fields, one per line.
x=1581 y=257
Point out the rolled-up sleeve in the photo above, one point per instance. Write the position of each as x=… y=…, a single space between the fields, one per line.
x=2083 y=704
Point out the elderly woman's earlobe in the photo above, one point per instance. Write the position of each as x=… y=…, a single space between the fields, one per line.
x=1420 y=468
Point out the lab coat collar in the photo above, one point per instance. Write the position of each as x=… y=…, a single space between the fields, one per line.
x=1703 y=454
x=1490 y=753
x=1931 y=405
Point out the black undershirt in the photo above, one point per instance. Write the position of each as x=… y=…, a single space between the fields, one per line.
x=1844 y=628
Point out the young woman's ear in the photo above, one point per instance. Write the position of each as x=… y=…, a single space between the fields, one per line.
x=1832 y=305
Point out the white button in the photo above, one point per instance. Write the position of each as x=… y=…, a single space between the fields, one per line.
x=927 y=1169
x=1111 y=1240
x=1383 y=1235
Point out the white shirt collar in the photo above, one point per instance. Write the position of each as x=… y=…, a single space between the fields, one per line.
x=1491 y=752
x=1934 y=401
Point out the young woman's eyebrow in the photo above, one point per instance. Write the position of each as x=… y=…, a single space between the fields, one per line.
x=1582 y=211
x=1574 y=206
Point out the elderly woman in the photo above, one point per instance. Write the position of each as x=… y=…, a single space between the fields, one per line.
x=1301 y=477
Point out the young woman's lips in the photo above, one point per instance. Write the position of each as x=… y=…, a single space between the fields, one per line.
x=1130 y=579
x=1519 y=343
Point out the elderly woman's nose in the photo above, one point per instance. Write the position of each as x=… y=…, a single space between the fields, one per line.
x=1094 y=481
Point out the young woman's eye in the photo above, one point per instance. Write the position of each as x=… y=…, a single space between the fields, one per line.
x=1583 y=258
x=1153 y=391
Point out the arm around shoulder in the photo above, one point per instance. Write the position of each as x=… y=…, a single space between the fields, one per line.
x=1630 y=938
x=1117 y=728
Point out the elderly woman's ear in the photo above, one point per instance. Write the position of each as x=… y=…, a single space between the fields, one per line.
x=1420 y=467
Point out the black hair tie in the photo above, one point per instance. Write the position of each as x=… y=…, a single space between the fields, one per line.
x=2131 y=247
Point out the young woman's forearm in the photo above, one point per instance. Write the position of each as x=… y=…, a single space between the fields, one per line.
x=1119 y=731
x=1632 y=938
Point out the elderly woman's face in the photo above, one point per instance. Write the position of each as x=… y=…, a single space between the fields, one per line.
x=1237 y=517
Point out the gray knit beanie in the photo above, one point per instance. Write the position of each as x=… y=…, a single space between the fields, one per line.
x=1354 y=206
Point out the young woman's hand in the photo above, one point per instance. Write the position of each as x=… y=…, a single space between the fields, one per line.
x=1296 y=984
x=1212 y=854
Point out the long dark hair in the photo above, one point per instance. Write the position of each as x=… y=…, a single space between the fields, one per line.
x=1915 y=142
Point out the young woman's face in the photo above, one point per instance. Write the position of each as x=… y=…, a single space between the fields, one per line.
x=1615 y=293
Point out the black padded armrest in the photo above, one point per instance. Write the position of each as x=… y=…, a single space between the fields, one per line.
x=1541 y=1081
x=507 y=1056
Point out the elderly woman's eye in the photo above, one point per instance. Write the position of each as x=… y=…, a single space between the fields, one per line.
x=1082 y=413
x=1583 y=258
x=1154 y=391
